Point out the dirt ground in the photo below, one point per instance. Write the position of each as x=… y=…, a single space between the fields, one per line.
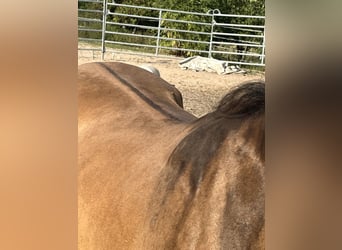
x=201 y=90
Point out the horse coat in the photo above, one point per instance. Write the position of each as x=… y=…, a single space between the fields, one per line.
x=153 y=176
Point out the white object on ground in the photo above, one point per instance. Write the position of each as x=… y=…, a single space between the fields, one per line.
x=199 y=63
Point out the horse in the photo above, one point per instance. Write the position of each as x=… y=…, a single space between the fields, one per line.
x=153 y=176
x=150 y=69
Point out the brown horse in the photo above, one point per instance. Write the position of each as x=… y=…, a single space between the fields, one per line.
x=152 y=176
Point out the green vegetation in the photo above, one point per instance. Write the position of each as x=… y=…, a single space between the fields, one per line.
x=171 y=34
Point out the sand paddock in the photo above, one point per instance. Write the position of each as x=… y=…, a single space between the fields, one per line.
x=201 y=90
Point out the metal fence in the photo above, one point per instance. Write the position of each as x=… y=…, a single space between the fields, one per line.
x=238 y=39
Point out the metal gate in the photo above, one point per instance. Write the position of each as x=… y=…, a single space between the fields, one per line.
x=237 y=39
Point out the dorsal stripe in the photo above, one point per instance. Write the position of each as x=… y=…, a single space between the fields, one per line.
x=140 y=94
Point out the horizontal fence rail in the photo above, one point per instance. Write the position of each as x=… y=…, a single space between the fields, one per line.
x=237 y=39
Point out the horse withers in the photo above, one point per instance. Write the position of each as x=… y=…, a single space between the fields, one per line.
x=153 y=176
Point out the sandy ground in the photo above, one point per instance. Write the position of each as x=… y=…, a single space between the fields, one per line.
x=201 y=90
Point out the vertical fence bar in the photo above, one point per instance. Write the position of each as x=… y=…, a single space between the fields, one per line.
x=104 y=19
x=263 y=49
x=211 y=35
x=159 y=28
x=213 y=23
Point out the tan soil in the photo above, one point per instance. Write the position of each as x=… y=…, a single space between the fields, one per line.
x=201 y=90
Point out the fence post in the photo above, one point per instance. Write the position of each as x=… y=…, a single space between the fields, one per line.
x=104 y=19
x=159 y=28
x=213 y=22
x=263 y=49
x=211 y=35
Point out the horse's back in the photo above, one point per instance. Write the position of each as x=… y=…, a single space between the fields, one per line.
x=129 y=122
